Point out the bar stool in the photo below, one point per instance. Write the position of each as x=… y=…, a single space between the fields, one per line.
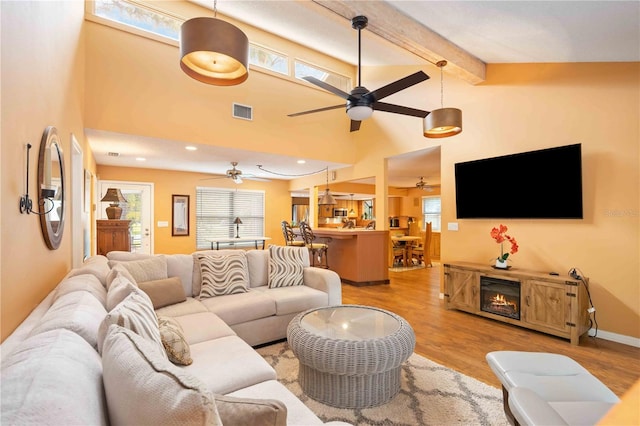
x=290 y=236
x=317 y=250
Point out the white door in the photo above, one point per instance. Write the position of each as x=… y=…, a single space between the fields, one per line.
x=138 y=209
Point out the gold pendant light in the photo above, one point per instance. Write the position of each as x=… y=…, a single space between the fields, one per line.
x=213 y=51
x=443 y=122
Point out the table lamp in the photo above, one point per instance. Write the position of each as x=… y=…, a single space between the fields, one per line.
x=115 y=197
x=237 y=222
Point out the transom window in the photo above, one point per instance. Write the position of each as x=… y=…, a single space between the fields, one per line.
x=217 y=208
x=432 y=212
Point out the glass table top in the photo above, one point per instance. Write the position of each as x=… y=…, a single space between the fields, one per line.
x=350 y=323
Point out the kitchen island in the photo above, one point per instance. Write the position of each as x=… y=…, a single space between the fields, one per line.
x=359 y=256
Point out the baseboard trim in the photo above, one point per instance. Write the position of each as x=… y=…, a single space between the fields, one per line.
x=615 y=337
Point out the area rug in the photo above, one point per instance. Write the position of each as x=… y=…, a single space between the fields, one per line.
x=430 y=394
x=405 y=268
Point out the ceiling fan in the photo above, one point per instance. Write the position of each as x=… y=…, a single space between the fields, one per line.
x=361 y=102
x=237 y=176
x=421 y=184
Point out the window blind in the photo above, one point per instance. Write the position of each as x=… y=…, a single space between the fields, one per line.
x=217 y=208
x=432 y=212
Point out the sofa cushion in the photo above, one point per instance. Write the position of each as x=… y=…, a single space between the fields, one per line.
x=295 y=299
x=175 y=345
x=152 y=268
x=53 y=377
x=84 y=282
x=297 y=412
x=97 y=266
x=223 y=274
x=135 y=313
x=181 y=266
x=196 y=276
x=189 y=306
x=143 y=387
x=79 y=312
x=119 y=289
x=119 y=269
x=286 y=266
x=228 y=364
x=203 y=326
x=243 y=307
x=258 y=266
x=251 y=411
x=164 y=292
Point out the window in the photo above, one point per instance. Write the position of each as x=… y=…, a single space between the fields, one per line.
x=217 y=208
x=268 y=59
x=303 y=69
x=432 y=212
x=139 y=16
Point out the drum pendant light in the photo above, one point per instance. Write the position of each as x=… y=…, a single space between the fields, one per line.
x=443 y=122
x=213 y=51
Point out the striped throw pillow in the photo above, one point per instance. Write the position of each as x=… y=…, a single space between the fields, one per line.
x=223 y=274
x=286 y=265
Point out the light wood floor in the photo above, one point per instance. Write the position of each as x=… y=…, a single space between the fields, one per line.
x=460 y=341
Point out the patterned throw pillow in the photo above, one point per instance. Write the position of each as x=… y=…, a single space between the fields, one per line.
x=286 y=265
x=175 y=345
x=223 y=274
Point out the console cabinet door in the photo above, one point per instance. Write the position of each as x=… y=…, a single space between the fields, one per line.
x=461 y=289
x=547 y=305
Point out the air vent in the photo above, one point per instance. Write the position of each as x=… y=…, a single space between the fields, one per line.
x=113 y=154
x=244 y=112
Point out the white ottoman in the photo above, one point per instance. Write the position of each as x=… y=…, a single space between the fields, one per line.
x=551 y=381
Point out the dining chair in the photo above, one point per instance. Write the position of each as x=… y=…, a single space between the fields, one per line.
x=422 y=252
x=316 y=249
x=290 y=236
x=399 y=253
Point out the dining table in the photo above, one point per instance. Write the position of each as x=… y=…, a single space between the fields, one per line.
x=407 y=242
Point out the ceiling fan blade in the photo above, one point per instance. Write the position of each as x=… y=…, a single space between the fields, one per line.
x=382 y=106
x=398 y=85
x=316 y=110
x=355 y=125
x=327 y=87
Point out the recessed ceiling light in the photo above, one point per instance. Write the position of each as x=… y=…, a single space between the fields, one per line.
x=301 y=161
x=141 y=159
x=190 y=148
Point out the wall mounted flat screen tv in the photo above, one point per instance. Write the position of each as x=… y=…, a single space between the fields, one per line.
x=542 y=184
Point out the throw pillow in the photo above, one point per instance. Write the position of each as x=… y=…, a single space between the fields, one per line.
x=119 y=289
x=118 y=268
x=223 y=274
x=286 y=266
x=164 y=292
x=251 y=411
x=174 y=342
x=135 y=313
x=153 y=268
x=143 y=387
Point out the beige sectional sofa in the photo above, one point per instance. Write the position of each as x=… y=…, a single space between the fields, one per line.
x=116 y=343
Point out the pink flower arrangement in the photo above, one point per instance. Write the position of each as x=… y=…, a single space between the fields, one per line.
x=500 y=235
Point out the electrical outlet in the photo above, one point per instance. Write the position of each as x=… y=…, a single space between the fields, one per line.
x=591 y=310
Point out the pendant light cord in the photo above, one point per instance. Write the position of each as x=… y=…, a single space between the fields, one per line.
x=215 y=8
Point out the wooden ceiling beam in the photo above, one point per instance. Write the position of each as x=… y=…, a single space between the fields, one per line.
x=407 y=33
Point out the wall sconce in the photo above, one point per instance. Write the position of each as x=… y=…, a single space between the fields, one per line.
x=46 y=193
x=238 y=222
x=115 y=197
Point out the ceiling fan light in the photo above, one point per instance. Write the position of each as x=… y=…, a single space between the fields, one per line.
x=359 y=112
x=442 y=123
x=214 y=52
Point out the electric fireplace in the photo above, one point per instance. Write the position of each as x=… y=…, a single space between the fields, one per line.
x=499 y=296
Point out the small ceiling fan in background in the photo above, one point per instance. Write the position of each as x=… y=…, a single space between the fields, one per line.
x=421 y=184
x=361 y=102
x=236 y=175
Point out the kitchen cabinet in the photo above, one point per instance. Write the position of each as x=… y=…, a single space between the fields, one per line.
x=112 y=235
x=552 y=304
x=395 y=206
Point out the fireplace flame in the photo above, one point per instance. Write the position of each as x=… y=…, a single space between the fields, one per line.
x=500 y=301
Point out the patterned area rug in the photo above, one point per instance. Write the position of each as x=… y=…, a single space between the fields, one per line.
x=430 y=394
x=405 y=268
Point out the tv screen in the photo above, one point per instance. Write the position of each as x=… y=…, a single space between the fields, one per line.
x=542 y=184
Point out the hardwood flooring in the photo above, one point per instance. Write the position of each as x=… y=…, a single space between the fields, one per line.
x=460 y=341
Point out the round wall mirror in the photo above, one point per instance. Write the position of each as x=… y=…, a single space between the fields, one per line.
x=51 y=194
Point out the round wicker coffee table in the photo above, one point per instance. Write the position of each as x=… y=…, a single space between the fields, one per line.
x=350 y=355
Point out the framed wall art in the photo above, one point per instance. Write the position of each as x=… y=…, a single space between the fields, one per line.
x=180 y=215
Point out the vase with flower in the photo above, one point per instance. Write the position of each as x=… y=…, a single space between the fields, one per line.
x=500 y=235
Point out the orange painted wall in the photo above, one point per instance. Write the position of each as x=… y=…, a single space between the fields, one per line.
x=167 y=182
x=42 y=85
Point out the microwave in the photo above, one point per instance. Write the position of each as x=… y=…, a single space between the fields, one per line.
x=338 y=212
